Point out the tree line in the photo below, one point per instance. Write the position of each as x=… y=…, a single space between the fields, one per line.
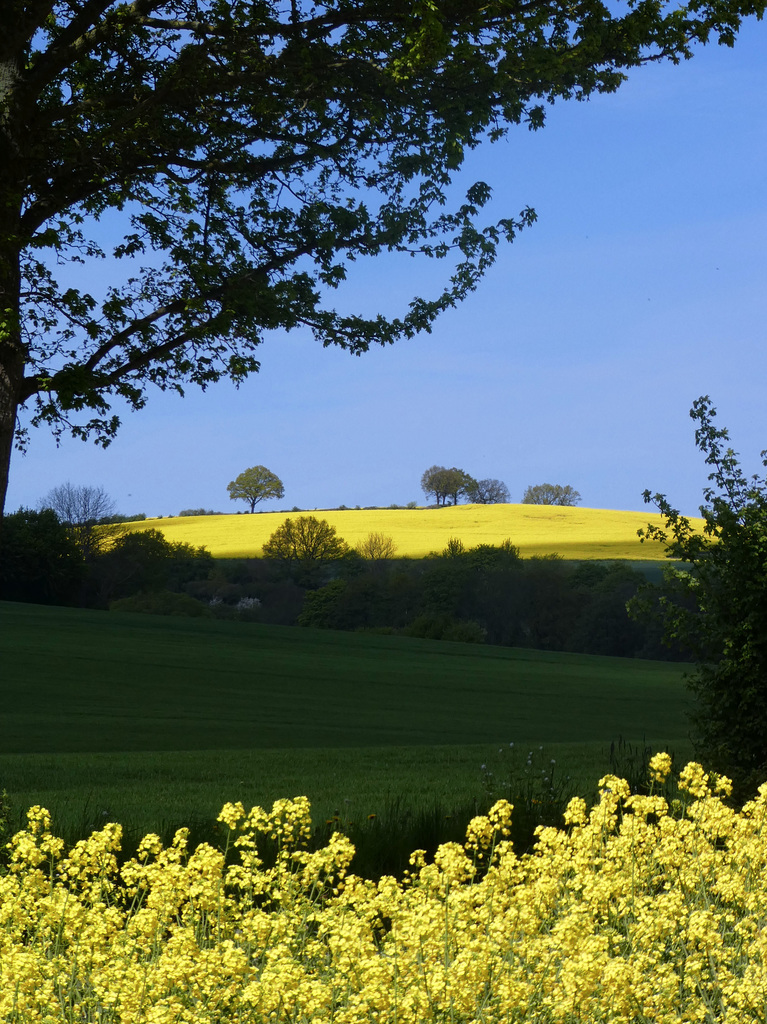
x=449 y=486
x=446 y=486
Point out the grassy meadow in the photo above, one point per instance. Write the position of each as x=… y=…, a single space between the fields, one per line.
x=152 y=720
x=573 y=533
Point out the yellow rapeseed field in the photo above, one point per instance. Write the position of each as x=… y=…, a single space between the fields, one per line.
x=635 y=911
x=534 y=529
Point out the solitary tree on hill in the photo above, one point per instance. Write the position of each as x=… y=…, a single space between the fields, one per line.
x=255 y=484
x=243 y=154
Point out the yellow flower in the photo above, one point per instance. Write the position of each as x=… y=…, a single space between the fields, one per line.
x=660 y=767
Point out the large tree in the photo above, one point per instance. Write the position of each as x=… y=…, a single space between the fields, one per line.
x=446 y=483
x=550 y=494
x=305 y=545
x=489 y=492
x=241 y=153
x=256 y=484
x=89 y=515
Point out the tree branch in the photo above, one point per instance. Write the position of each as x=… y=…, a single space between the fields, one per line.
x=77 y=39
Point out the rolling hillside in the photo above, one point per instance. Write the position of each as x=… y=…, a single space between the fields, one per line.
x=534 y=529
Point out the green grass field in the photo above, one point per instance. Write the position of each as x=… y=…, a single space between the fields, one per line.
x=152 y=720
x=573 y=533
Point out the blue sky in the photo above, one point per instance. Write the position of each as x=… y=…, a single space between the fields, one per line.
x=642 y=285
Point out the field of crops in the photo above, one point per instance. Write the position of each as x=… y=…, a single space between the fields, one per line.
x=573 y=533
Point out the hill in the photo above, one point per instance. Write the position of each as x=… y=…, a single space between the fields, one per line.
x=575 y=533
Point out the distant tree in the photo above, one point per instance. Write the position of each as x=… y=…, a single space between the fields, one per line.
x=305 y=545
x=551 y=494
x=88 y=514
x=39 y=560
x=199 y=512
x=446 y=483
x=377 y=547
x=488 y=492
x=255 y=484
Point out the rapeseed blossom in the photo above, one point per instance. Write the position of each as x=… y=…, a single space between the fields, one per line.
x=633 y=911
x=573 y=532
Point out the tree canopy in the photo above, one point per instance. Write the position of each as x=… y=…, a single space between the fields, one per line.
x=255 y=484
x=446 y=483
x=550 y=494
x=488 y=492
x=305 y=545
x=242 y=153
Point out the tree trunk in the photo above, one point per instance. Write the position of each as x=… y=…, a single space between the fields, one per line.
x=11 y=360
x=13 y=354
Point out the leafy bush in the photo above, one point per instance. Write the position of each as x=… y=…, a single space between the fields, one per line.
x=40 y=561
x=714 y=601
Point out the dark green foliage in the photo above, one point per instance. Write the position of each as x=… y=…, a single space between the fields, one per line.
x=8 y=826
x=307 y=548
x=630 y=761
x=118 y=519
x=39 y=559
x=488 y=492
x=538 y=789
x=714 y=601
x=446 y=484
x=550 y=494
x=490 y=592
x=254 y=485
x=144 y=562
x=603 y=625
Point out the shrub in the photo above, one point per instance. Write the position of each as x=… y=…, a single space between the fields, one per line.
x=714 y=601
x=40 y=561
x=443 y=627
